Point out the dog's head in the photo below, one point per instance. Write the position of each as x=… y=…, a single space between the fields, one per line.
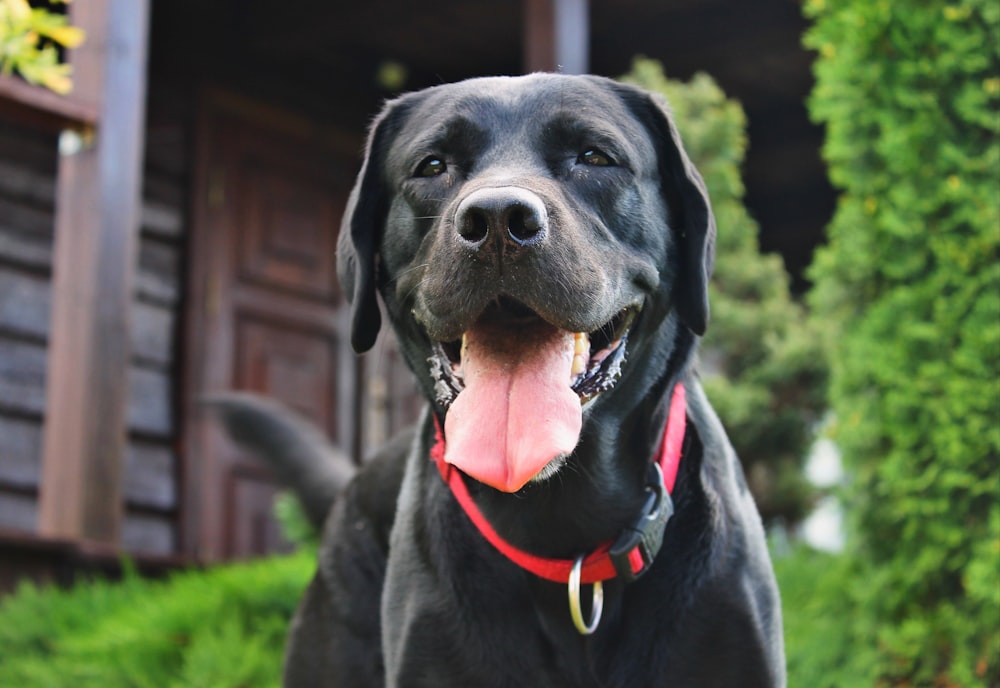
x=528 y=235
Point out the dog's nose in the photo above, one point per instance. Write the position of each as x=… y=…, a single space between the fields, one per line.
x=507 y=214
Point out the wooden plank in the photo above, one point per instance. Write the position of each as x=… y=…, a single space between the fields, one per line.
x=165 y=190
x=162 y=220
x=152 y=335
x=159 y=273
x=20 y=454
x=150 y=475
x=22 y=377
x=25 y=237
x=148 y=534
x=24 y=304
x=97 y=225
x=151 y=411
x=539 y=27
x=150 y=478
x=18 y=512
x=63 y=562
x=19 y=181
x=254 y=299
x=39 y=106
x=23 y=389
x=556 y=36
x=33 y=149
x=253 y=530
x=168 y=137
x=25 y=217
x=167 y=147
x=93 y=59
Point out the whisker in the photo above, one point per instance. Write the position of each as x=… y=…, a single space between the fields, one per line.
x=408 y=294
x=408 y=270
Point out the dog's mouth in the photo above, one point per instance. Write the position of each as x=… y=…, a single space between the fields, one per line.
x=514 y=387
x=597 y=355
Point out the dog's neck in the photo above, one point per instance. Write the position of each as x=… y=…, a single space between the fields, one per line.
x=594 y=497
x=628 y=555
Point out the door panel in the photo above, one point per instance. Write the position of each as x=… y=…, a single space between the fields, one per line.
x=296 y=367
x=265 y=311
x=250 y=525
x=285 y=218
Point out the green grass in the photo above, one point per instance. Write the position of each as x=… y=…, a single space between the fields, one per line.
x=220 y=628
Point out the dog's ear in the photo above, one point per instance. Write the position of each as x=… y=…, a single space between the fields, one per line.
x=361 y=231
x=692 y=219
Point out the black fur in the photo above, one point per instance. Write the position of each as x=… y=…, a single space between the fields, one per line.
x=408 y=594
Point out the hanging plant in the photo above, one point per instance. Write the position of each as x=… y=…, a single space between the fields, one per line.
x=30 y=42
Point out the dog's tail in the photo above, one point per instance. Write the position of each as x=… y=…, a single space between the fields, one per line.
x=296 y=450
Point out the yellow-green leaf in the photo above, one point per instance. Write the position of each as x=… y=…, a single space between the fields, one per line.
x=69 y=36
x=19 y=10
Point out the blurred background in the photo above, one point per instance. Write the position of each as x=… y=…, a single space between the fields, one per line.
x=168 y=216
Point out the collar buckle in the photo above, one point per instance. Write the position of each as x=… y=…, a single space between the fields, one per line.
x=638 y=544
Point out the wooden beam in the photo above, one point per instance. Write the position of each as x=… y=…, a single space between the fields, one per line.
x=97 y=223
x=556 y=36
x=38 y=106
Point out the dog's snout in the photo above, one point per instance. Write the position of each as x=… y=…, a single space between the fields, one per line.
x=508 y=214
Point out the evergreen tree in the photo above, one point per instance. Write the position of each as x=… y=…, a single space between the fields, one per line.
x=909 y=293
x=760 y=359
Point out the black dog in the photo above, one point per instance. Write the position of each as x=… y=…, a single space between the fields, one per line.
x=542 y=246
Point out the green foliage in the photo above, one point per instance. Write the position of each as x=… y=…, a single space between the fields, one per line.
x=762 y=365
x=295 y=526
x=221 y=628
x=824 y=647
x=908 y=292
x=28 y=44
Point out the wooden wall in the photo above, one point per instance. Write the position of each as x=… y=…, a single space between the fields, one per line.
x=27 y=198
x=153 y=480
x=28 y=160
x=152 y=477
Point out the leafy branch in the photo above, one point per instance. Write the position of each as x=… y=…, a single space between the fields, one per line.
x=29 y=44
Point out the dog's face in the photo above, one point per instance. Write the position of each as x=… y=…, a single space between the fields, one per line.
x=536 y=240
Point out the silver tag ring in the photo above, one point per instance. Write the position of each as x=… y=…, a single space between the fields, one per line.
x=596 y=605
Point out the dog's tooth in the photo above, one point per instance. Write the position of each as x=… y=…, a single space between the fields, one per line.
x=581 y=351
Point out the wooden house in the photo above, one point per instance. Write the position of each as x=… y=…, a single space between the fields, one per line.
x=168 y=230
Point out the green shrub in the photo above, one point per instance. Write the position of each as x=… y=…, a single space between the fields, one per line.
x=822 y=646
x=294 y=523
x=763 y=368
x=909 y=293
x=220 y=628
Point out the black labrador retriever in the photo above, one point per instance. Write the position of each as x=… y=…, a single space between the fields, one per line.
x=569 y=511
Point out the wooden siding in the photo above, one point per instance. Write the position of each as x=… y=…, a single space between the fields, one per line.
x=152 y=472
x=27 y=199
x=28 y=160
x=152 y=466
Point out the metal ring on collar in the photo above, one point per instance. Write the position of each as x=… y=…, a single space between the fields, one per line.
x=596 y=605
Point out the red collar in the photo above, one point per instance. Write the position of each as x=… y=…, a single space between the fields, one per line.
x=631 y=553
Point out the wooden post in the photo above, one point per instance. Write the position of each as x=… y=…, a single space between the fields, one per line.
x=556 y=36
x=97 y=223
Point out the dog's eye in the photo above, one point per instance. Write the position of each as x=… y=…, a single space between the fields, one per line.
x=431 y=166
x=595 y=158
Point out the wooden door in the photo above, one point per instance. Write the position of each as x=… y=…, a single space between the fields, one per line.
x=265 y=311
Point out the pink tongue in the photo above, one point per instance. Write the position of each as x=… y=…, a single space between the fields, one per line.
x=517 y=411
